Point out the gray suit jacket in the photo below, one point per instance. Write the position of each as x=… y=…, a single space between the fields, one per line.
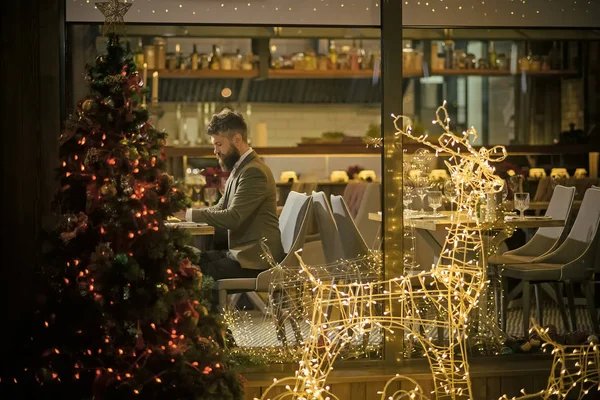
x=248 y=210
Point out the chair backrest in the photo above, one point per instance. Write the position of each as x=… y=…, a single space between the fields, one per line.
x=328 y=230
x=582 y=236
x=263 y=280
x=546 y=240
x=354 y=195
x=370 y=203
x=291 y=218
x=353 y=244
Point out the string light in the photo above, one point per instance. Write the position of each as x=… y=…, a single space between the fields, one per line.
x=452 y=287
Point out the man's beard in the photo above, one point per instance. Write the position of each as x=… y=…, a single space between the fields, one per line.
x=227 y=161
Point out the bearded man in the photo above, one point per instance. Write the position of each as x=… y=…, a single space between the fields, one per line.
x=247 y=209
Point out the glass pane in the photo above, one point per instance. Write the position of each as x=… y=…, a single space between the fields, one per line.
x=310 y=98
x=534 y=92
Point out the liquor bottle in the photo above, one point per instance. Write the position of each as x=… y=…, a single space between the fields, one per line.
x=492 y=56
x=138 y=56
x=215 y=58
x=354 y=65
x=180 y=59
x=362 y=56
x=554 y=57
x=333 y=55
x=449 y=55
x=194 y=60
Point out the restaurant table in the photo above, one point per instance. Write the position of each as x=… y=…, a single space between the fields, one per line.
x=195 y=228
x=428 y=226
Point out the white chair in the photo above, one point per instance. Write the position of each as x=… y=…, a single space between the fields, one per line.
x=263 y=281
x=545 y=239
x=353 y=243
x=575 y=260
x=328 y=231
x=290 y=218
x=370 y=203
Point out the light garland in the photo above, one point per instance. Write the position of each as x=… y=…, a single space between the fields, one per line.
x=349 y=308
x=574 y=368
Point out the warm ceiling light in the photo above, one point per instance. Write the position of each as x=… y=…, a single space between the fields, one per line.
x=226 y=92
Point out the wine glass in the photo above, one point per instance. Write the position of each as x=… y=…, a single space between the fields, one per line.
x=210 y=195
x=504 y=191
x=407 y=198
x=522 y=203
x=434 y=198
x=450 y=191
x=514 y=183
x=422 y=185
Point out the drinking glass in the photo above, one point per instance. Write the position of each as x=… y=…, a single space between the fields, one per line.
x=522 y=203
x=210 y=195
x=450 y=192
x=504 y=191
x=407 y=198
x=514 y=183
x=434 y=198
x=422 y=186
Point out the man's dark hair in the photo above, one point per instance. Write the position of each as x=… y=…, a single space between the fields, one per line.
x=228 y=123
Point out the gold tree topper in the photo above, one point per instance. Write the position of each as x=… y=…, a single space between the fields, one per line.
x=113 y=12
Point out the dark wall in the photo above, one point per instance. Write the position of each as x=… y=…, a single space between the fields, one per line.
x=30 y=90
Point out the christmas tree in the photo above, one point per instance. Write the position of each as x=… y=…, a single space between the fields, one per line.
x=122 y=309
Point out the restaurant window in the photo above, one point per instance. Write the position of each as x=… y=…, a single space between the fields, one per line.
x=311 y=98
x=533 y=91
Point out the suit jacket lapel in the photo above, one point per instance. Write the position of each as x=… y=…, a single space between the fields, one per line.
x=234 y=175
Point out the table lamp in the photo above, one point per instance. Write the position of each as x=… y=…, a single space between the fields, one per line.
x=559 y=173
x=438 y=174
x=367 y=175
x=288 y=176
x=339 y=176
x=580 y=173
x=537 y=173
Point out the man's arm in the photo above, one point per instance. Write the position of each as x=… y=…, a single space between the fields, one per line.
x=216 y=207
x=250 y=192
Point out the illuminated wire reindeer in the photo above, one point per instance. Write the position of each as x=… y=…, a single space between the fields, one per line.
x=575 y=368
x=441 y=298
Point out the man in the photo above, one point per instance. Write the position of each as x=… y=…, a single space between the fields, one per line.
x=248 y=208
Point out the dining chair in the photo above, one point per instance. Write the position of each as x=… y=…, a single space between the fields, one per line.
x=543 y=241
x=370 y=203
x=328 y=230
x=289 y=219
x=353 y=196
x=264 y=280
x=353 y=243
x=574 y=261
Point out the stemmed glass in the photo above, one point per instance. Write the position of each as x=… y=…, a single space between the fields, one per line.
x=434 y=197
x=450 y=191
x=422 y=185
x=504 y=191
x=210 y=195
x=522 y=203
x=407 y=198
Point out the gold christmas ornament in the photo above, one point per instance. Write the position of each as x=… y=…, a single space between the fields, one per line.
x=113 y=12
x=108 y=189
x=87 y=105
